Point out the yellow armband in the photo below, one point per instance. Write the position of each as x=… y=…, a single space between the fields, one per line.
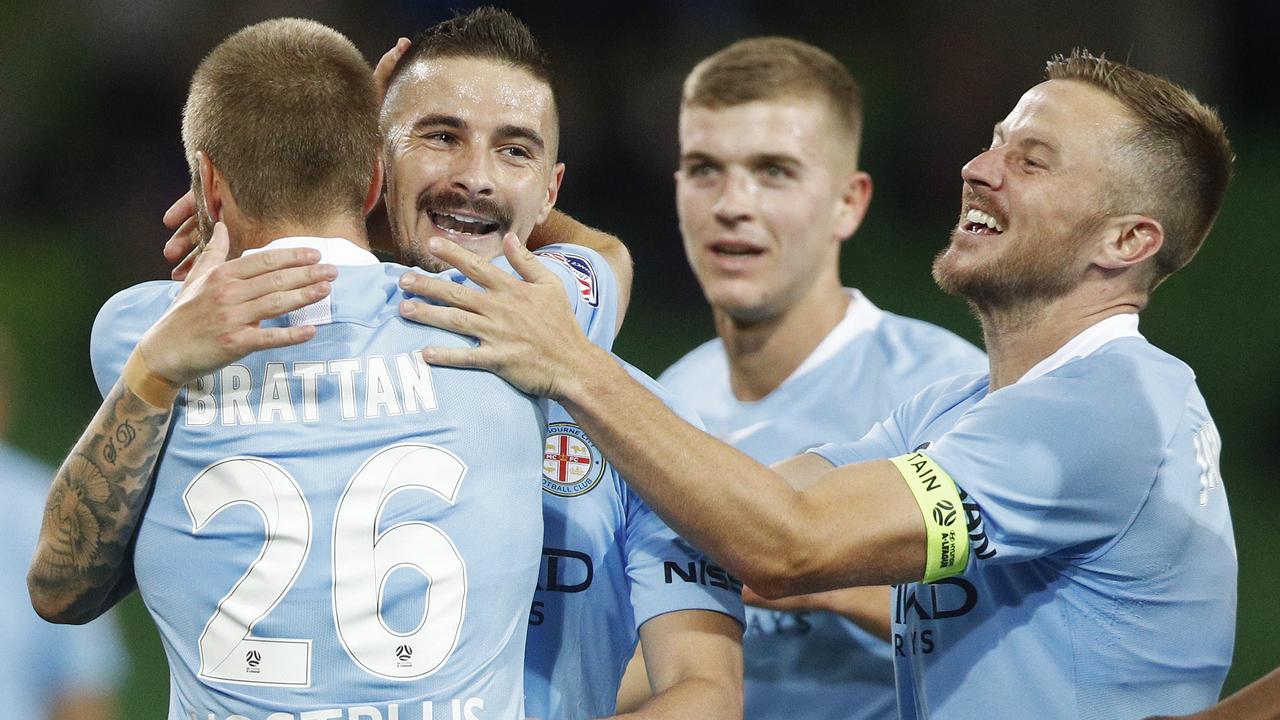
x=152 y=389
x=944 y=519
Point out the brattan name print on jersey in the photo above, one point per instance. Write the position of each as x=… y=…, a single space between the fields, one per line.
x=367 y=387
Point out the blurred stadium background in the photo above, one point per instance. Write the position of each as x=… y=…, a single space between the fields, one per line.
x=91 y=157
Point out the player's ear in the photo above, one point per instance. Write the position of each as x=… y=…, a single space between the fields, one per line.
x=1128 y=240
x=851 y=204
x=374 y=193
x=553 y=191
x=212 y=187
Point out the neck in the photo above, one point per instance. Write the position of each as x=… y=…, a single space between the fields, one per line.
x=253 y=235
x=1018 y=337
x=764 y=353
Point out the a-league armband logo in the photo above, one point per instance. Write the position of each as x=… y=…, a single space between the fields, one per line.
x=571 y=464
x=582 y=272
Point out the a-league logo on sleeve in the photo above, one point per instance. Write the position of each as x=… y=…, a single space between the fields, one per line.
x=582 y=272
x=571 y=464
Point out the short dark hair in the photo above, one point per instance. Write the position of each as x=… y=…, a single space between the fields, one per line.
x=772 y=68
x=485 y=33
x=287 y=110
x=1181 y=157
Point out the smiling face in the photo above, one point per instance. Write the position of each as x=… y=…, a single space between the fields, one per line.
x=764 y=199
x=1035 y=202
x=470 y=150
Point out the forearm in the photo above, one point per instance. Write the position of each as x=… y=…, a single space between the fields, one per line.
x=732 y=507
x=695 y=697
x=94 y=505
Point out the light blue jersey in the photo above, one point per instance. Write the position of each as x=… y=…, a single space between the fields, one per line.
x=41 y=662
x=817 y=664
x=1101 y=580
x=609 y=565
x=338 y=530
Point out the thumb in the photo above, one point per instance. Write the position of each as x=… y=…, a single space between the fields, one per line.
x=214 y=254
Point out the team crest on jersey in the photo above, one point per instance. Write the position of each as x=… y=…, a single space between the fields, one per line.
x=571 y=464
x=582 y=271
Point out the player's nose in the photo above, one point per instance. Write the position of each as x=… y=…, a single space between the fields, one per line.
x=472 y=172
x=986 y=169
x=736 y=200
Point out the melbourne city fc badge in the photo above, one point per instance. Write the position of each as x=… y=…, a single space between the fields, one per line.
x=571 y=464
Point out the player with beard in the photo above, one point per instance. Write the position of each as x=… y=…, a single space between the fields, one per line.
x=1060 y=519
x=319 y=529
x=471 y=130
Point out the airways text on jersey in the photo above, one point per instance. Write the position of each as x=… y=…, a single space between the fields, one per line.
x=277 y=392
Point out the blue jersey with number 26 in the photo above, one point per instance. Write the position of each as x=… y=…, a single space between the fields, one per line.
x=338 y=530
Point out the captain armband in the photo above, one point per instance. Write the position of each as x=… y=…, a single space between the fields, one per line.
x=944 y=519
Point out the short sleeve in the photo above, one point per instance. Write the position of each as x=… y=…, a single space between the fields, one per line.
x=883 y=440
x=121 y=323
x=591 y=286
x=665 y=573
x=1060 y=465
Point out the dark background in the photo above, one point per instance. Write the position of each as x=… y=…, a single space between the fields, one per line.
x=90 y=157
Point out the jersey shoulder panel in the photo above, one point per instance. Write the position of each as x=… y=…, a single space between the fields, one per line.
x=121 y=323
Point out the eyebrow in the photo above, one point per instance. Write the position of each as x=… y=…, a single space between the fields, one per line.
x=437 y=120
x=513 y=132
x=754 y=160
x=1027 y=142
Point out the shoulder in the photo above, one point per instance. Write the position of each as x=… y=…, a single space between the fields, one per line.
x=917 y=346
x=121 y=323
x=697 y=366
x=146 y=301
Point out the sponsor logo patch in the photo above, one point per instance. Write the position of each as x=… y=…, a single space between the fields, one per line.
x=582 y=272
x=571 y=464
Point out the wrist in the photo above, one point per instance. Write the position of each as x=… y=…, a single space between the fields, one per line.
x=150 y=386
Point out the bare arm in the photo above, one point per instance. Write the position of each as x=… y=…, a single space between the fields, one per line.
x=694 y=662
x=856 y=525
x=561 y=228
x=94 y=506
x=97 y=497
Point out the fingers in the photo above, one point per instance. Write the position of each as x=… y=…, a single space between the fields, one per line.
x=258 y=263
x=444 y=291
x=476 y=357
x=525 y=262
x=387 y=65
x=445 y=318
x=181 y=211
x=183 y=240
x=183 y=269
x=474 y=267
x=213 y=255
x=278 y=303
x=284 y=280
x=255 y=339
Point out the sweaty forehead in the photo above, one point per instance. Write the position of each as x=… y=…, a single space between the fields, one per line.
x=469 y=86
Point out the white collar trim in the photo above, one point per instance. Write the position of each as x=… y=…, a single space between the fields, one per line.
x=1086 y=343
x=333 y=250
x=861 y=316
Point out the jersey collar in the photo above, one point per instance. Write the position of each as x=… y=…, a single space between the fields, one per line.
x=861 y=316
x=1086 y=343
x=333 y=250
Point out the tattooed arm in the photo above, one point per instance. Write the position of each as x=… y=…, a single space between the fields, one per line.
x=94 y=507
x=96 y=499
